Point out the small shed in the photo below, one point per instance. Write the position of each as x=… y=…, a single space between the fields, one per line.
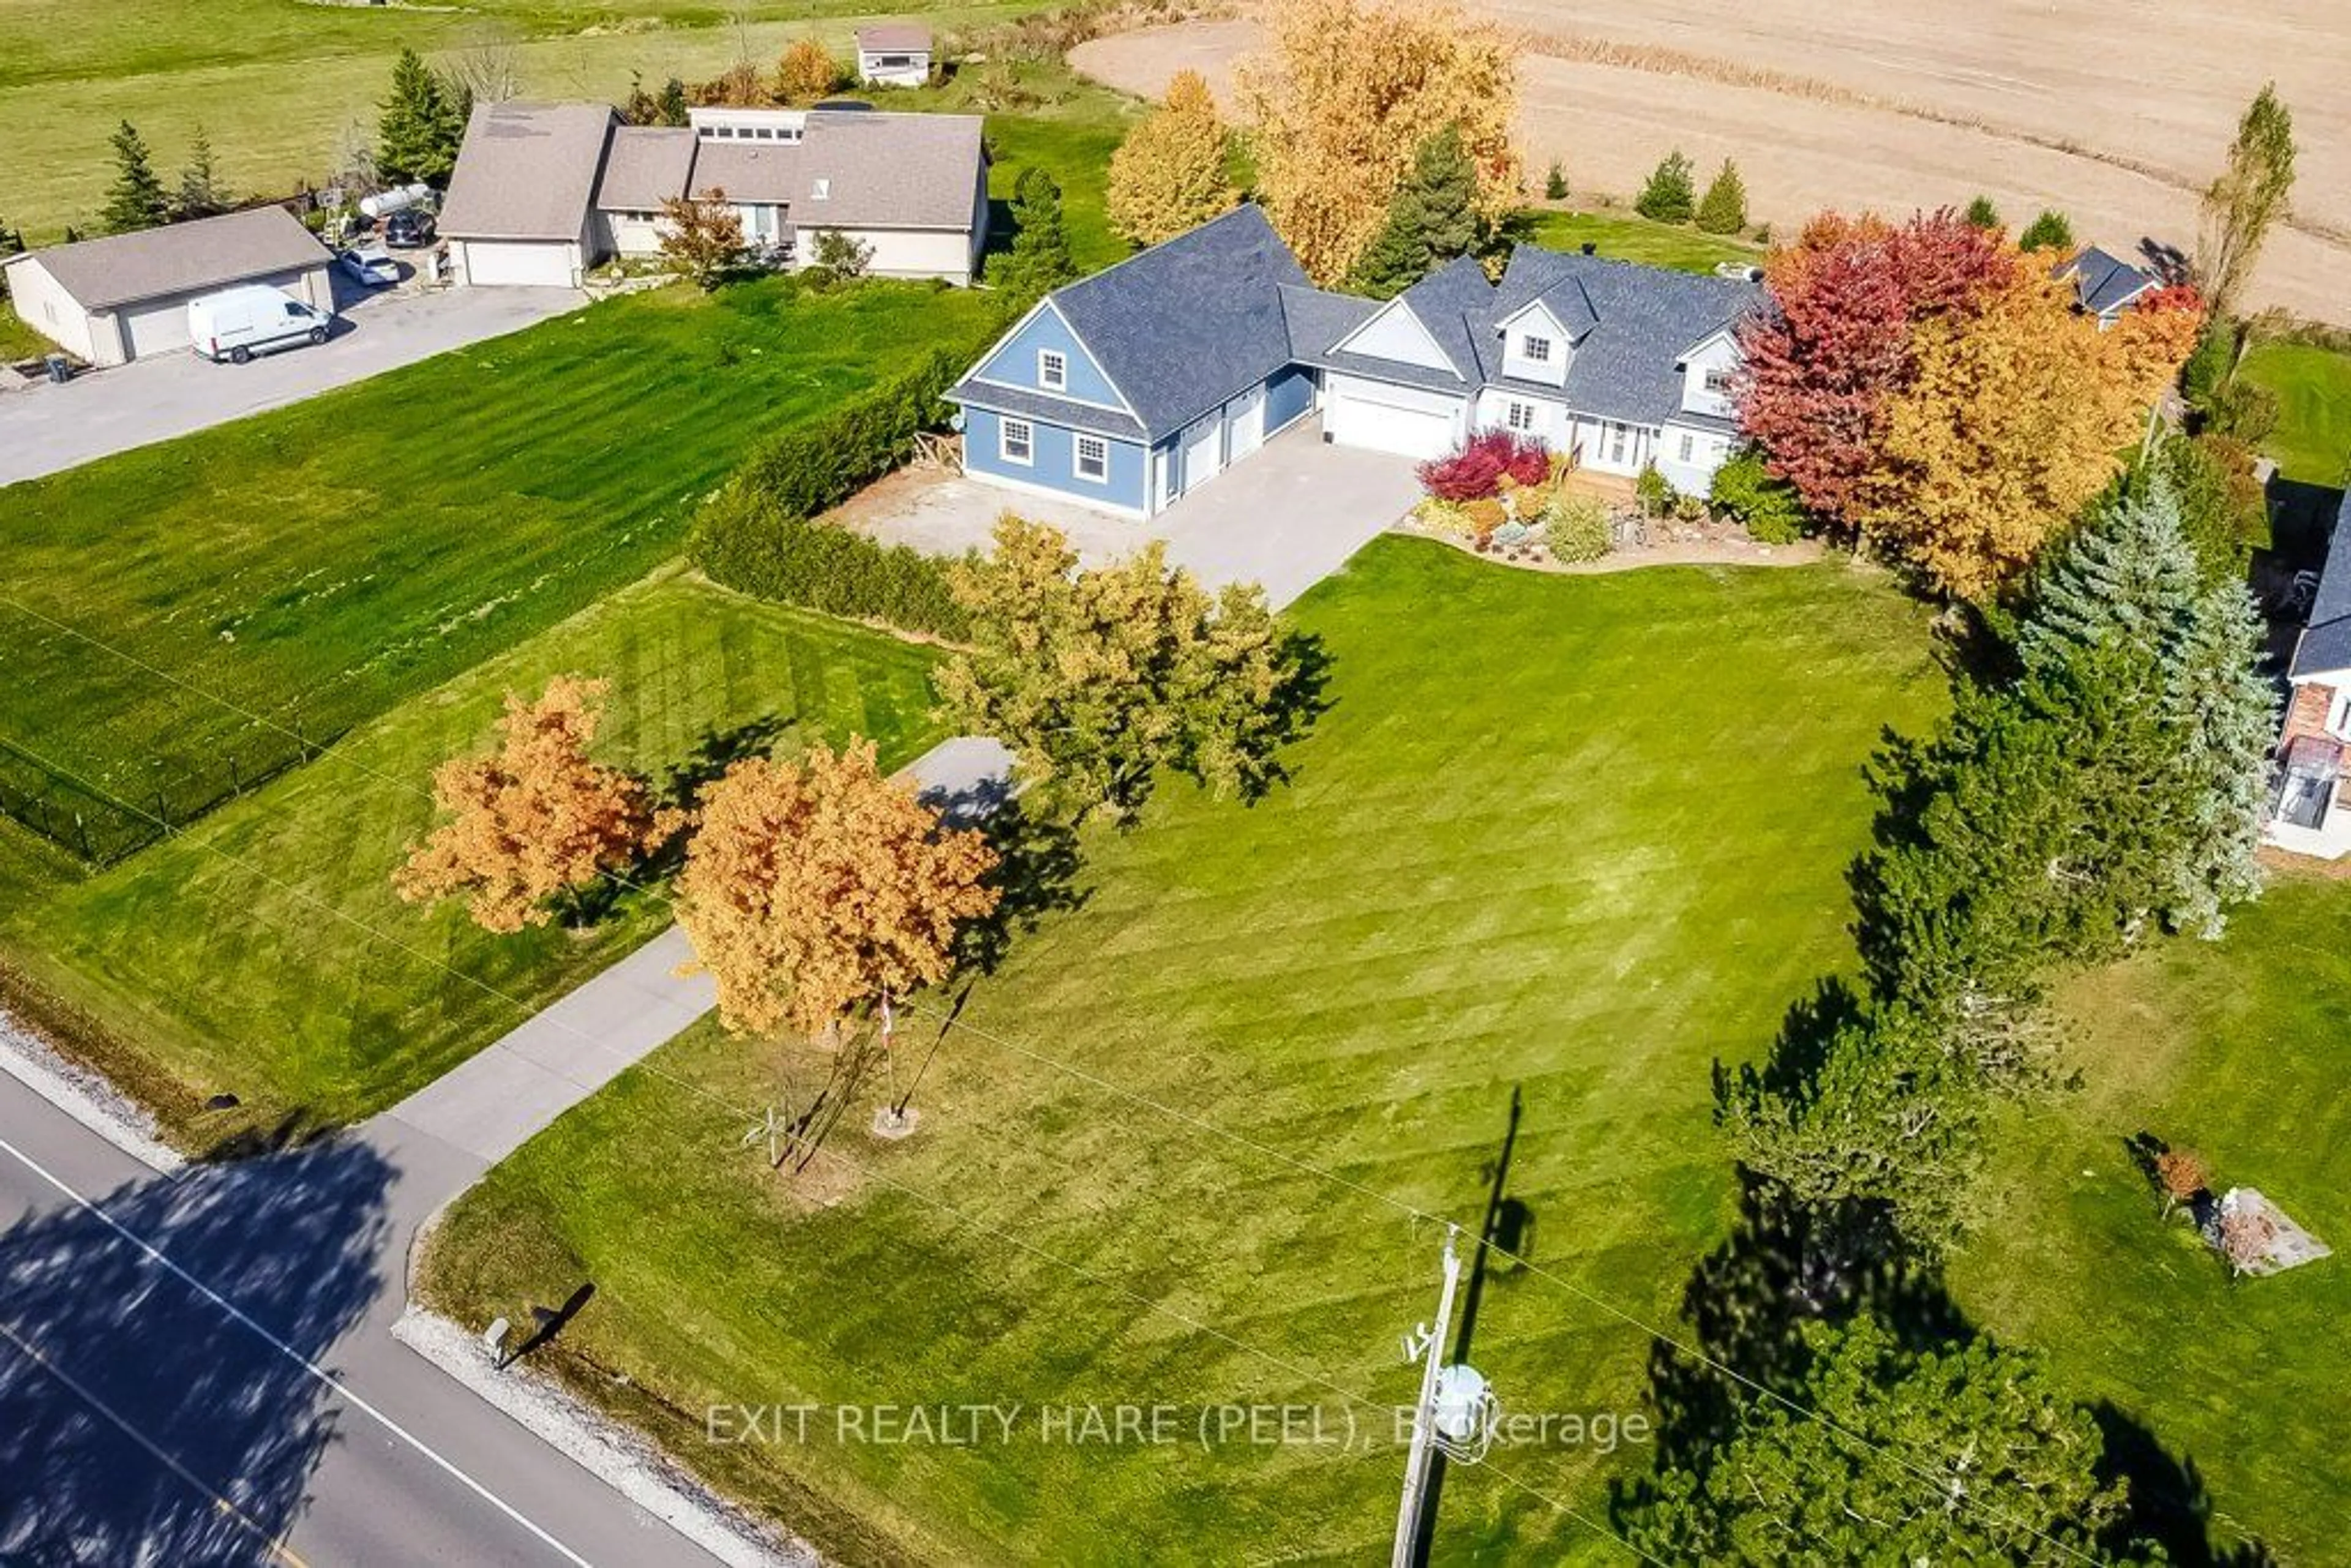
x=894 y=54
x=113 y=299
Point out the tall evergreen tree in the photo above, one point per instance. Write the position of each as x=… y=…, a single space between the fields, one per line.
x=1671 y=194
x=200 y=194
x=1963 y=1454
x=2151 y=675
x=1432 y=219
x=1040 y=259
x=1724 y=209
x=137 y=199
x=2052 y=230
x=413 y=135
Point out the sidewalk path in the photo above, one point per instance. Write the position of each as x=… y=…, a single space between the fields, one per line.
x=495 y=1103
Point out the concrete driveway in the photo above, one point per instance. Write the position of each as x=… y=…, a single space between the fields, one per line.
x=1286 y=517
x=45 y=428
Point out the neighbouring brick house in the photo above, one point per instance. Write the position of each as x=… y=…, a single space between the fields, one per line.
x=2310 y=805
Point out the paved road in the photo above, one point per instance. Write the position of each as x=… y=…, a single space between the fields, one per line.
x=143 y=1419
x=45 y=428
x=239 y=1397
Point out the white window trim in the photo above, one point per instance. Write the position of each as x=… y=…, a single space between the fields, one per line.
x=1689 y=446
x=1078 y=459
x=1535 y=348
x=1004 y=428
x=1513 y=408
x=1053 y=369
x=1716 y=379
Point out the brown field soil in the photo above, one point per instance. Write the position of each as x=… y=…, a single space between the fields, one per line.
x=2119 y=119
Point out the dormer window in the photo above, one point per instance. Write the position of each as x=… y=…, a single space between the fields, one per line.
x=1053 y=369
x=1718 y=382
x=1536 y=350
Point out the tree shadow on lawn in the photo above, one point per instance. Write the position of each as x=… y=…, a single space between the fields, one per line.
x=1785 y=1267
x=113 y=1371
x=1037 y=865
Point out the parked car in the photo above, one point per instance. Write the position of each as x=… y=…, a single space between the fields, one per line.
x=252 y=319
x=371 y=265
x=411 y=228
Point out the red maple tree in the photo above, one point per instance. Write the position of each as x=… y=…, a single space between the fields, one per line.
x=1833 y=343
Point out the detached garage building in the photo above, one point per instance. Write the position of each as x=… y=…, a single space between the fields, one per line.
x=115 y=300
x=519 y=211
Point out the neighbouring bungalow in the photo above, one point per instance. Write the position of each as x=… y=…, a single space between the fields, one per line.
x=1134 y=386
x=2310 y=806
x=543 y=192
x=2104 y=286
x=124 y=296
x=894 y=54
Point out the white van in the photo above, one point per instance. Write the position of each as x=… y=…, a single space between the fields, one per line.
x=252 y=319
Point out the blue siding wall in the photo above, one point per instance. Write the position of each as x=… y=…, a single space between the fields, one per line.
x=1015 y=364
x=1053 y=465
x=1287 y=394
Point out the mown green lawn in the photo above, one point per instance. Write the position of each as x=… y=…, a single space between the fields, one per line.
x=2313 y=439
x=264 y=954
x=2232 y=1049
x=280 y=87
x=18 y=342
x=305 y=569
x=1583 y=864
x=1628 y=236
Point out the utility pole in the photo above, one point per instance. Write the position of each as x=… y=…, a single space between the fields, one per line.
x=1430 y=1346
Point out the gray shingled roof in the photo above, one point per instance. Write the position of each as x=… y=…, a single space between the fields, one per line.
x=1044 y=405
x=894 y=38
x=179 y=258
x=2326 y=641
x=764 y=171
x=526 y=171
x=644 y=166
x=1184 y=325
x=890 y=171
x=1642 y=319
x=2104 y=282
x=1187 y=324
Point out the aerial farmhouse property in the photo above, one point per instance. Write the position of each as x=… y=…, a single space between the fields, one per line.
x=113 y=299
x=544 y=193
x=1132 y=387
x=894 y=54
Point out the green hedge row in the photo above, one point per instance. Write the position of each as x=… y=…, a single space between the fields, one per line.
x=749 y=542
x=755 y=536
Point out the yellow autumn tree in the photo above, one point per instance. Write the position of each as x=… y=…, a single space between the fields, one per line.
x=811 y=886
x=2017 y=416
x=535 y=821
x=1342 y=98
x=806 y=71
x=1168 y=175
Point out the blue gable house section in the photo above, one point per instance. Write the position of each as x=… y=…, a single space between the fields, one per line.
x=1052 y=465
x=1186 y=357
x=1021 y=360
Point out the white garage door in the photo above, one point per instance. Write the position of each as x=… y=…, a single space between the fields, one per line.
x=1352 y=418
x=157 y=327
x=492 y=263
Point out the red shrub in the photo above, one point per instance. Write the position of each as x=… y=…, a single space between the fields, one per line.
x=1475 y=470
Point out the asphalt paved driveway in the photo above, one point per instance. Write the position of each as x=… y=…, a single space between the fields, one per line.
x=45 y=428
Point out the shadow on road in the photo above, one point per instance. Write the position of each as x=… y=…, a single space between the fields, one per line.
x=139 y=1421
